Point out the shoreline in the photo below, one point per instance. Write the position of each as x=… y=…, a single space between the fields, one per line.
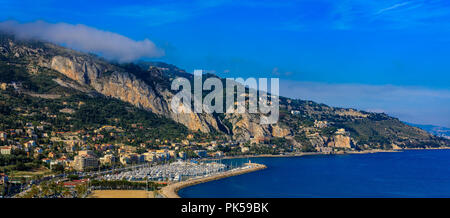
x=300 y=154
x=316 y=153
x=171 y=190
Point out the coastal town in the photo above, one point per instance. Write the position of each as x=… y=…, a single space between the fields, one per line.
x=60 y=156
x=36 y=155
x=73 y=124
x=58 y=143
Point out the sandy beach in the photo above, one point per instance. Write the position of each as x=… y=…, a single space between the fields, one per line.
x=171 y=191
x=121 y=194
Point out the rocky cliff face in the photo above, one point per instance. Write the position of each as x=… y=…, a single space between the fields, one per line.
x=247 y=125
x=148 y=88
x=340 y=141
x=113 y=81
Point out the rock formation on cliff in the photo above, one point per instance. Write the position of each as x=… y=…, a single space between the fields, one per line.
x=147 y=85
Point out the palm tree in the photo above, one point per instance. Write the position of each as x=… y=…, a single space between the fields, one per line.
x=81 y=190
x=45 y=190
x=34 y=192
x=66 y=193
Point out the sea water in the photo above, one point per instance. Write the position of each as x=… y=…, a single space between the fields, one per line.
x=412 y=173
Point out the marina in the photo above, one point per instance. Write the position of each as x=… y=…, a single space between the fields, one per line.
x=176 y=171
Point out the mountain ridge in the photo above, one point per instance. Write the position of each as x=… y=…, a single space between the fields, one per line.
x=304 y=124
x=433 y=129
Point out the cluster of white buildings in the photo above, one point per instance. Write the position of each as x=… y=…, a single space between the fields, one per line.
x=175 y=171
x=127 y=158
x=5 y=150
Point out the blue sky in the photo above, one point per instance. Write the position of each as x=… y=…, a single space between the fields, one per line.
x=378 y=55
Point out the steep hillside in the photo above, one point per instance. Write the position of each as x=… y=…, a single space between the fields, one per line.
x=304 y=124
x=435 y=130
x=34 y=94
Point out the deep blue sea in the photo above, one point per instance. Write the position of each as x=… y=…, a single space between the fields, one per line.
x=415 y=173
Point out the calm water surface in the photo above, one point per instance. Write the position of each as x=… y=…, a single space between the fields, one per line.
x=418 y=173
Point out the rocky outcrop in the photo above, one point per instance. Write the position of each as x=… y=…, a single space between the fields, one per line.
x=340 y=141
x=92 y=73
x=247 y=125
x=113 y=82
x=278 y=131
x=147 y=86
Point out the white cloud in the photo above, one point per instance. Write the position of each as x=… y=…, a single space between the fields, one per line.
x=81 y=37
x=399 y=5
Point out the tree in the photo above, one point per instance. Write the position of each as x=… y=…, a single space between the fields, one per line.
x=58 y=168
x=81 y=190
x=45 y=191
x=66 y=193
x=20 y=166
x=33 y=193
x=73 y=177
x=3 y=189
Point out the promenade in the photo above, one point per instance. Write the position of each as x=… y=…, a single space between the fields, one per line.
x=171 y=190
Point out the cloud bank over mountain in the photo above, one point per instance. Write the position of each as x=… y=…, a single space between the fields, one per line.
x=110 y=45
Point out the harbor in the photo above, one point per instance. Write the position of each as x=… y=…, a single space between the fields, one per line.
x=171 y=190
x=175 y=172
